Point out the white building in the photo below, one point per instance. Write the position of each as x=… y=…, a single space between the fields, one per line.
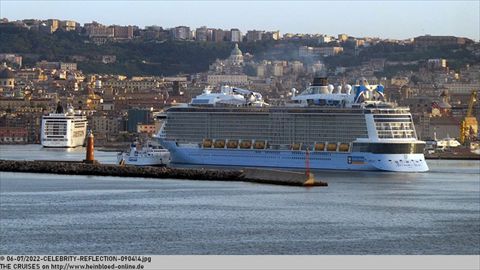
x=296 y=66
x=277 y=68
x=227 y=79
x=325 y=39
x=236 y=35
x=68 y=66
x=329 y=51
x=261 y=70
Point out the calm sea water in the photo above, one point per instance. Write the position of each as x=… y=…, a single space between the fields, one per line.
x=358 y=213
x=37 y=152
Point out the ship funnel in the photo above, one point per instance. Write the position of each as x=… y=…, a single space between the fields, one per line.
x=59 y=108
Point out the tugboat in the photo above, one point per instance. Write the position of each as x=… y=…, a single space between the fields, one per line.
x=144 y=155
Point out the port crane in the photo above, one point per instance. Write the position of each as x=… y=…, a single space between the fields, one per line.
x=469 y=124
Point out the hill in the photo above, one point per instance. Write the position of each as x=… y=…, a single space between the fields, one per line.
x=138 y=57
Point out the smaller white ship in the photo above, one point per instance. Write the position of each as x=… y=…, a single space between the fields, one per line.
x=446 y=143
x=144 y=155
x=64 y=129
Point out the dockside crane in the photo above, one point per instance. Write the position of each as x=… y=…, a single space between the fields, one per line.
x=469 y=124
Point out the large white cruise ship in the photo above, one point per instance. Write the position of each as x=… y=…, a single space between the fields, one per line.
x=64 y=129
x=351 y=130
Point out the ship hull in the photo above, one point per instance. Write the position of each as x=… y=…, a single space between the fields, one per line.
x=74 y=142
x=144 y=161
x=296 y=159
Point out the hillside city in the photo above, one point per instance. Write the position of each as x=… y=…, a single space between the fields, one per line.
x=124 y=77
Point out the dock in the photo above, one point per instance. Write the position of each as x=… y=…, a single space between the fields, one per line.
x=262 y=176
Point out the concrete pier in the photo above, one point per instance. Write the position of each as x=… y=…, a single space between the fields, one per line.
x=263 y=176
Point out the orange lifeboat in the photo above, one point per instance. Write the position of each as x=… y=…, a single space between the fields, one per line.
x=296 y=146
x=344 y=147
x=232 y=144
x=219 y=143
x=332 y=147
x=207 y=143
x=259 y=144
x=319 y=146
x=245 y=144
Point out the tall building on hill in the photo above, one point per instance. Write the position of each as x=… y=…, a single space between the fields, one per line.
x=123 y=32
x=95 y=29
x=181 y=33
x=236 y=35
x=201 y=33
x=218 y=35
x=68 y=25
x=273 y=35
x=254 y=35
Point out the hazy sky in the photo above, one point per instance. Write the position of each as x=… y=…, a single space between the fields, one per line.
x=385 y=19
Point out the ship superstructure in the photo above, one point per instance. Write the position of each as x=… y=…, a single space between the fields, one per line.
x=353 y=130
x=64 y=129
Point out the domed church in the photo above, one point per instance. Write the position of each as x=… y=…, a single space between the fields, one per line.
x=232 y=65
x=236 y=57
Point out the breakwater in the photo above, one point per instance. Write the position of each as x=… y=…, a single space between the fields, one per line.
x=276 y=177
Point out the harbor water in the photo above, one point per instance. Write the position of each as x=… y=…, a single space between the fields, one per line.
x=437 y=212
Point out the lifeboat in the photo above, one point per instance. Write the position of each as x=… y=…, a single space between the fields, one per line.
x=207 y=143
x=259 y=145
x=245 y=144
x=344 y=147
x=319 y=146
x=332 y=147
x=219 y=143
x=232 y=144
x=296 y=146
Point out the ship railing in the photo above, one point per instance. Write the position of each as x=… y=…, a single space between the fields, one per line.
x=400 y=110
x=320 y=146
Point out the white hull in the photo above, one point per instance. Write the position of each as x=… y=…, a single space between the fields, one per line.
x=73 y=142
x=145 y=161
x=297 y=159
x=147 y=156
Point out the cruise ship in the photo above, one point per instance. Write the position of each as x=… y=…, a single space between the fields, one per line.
x=63 y=129
x=337 y=128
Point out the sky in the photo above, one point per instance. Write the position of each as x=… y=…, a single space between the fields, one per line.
x=384 y=19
